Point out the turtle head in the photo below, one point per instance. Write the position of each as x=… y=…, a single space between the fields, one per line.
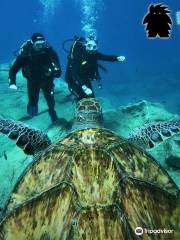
x=88 y=114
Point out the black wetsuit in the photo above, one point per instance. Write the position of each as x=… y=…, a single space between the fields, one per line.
x=82 y=68
x=35 y=67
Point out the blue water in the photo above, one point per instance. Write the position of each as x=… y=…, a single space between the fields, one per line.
x=152 y=67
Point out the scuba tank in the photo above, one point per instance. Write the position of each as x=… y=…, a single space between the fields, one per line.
x=75 y=40
x=23 y=48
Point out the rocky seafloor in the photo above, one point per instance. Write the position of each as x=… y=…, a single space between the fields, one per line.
x=121 y=120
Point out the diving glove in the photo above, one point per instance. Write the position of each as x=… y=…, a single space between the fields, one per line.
x=13 y=86
x=121 y=58
x=87 y=90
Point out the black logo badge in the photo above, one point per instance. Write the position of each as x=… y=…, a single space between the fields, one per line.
x=158 y=21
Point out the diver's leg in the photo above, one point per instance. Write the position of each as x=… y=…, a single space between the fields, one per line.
x=73 y=87
x=78 y=92
x=33 y=96
x=69 y=78
x=48 y=91
x=89 y=85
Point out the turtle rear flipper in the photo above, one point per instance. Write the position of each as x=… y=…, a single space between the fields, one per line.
x=29 y=139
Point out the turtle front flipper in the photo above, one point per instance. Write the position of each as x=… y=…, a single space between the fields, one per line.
x=29 y=139
x=151 y=134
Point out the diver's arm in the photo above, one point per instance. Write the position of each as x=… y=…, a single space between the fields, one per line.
x=104 y=57
x=17 y=65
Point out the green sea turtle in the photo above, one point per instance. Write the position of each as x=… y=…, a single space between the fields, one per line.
x=92 y=185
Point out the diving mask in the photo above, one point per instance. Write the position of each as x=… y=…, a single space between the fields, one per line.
x=40 y=44
x=91 y=45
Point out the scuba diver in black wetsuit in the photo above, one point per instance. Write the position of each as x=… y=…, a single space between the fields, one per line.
x=83 y=66
x=40 y=65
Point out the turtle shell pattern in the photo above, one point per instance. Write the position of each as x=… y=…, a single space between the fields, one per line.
x=92 y=185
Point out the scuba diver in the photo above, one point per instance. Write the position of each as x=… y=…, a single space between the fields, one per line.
x=83 y=66
x=40 y=65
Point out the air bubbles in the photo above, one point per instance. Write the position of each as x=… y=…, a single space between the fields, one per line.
x=49 y=7
x=90 y=12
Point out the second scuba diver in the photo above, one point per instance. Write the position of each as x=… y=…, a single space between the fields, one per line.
x=40 y=65
x=82 y=66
